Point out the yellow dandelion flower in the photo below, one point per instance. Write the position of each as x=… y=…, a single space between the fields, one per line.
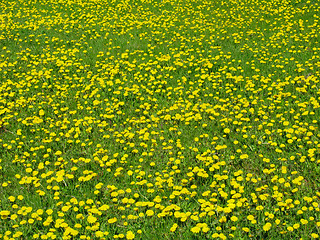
x=149 y=213
x=296 y=226
x=195 y=229
x=65 y=208
x=77 y=225
x=41 y=112
x=130 y=235
x=4 y=213
x=285 y=123
x=215 y=235
x=174 y=227
x=234 y=219
x=12 y=198
x=205 y=229
x=304 y=221
x=58 y=153
x=91 y=219
x=99 y=234
x=112 y=220
x=222 y=236
x=267 y=226
x=226 y=130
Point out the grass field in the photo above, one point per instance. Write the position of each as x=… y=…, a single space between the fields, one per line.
x=159 y=119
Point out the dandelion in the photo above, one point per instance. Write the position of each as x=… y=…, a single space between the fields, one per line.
x=91 y=219
x=285 y=123
x=112 y=220
x=4 y=213
x=41 y=112
x=215 y=235
x=99 y=234
x=205 y=229
x=267 y=226
x=149 y=213
x=58 y=153
x=174 y=227
x=77 y=225
x=226 y=130
x=290 y=229
x=296 y=226
x=304 y=221
x=222 y=236
x=130 y=235
x=245 y=229
x=234 y=219
x=196 y=229
x=12 y=198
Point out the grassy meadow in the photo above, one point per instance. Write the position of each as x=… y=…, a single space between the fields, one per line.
x=159 y=119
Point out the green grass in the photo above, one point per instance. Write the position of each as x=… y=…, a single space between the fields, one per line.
x=179 y=119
